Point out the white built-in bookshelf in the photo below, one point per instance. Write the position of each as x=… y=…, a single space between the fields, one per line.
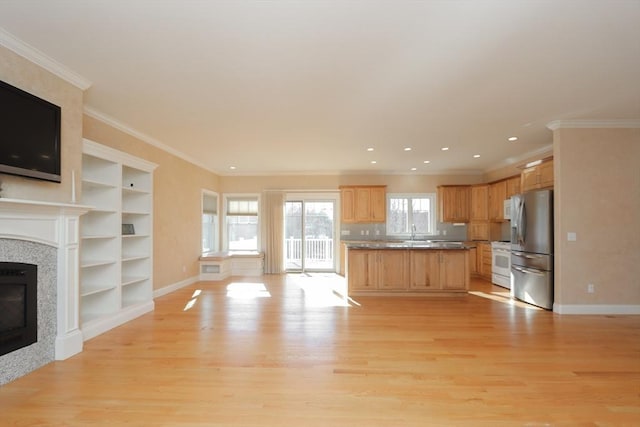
x=116 y=269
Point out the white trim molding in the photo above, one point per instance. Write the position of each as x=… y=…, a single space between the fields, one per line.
x=29 y=52
x=174 y=287
x=597 y=309
x=593 y=124
x=123 y=127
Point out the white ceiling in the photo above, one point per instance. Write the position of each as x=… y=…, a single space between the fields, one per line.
x=307 y=86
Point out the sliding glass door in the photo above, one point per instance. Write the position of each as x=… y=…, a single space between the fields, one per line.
x=309 y=235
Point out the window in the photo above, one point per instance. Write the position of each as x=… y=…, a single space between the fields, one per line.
x=404 y=211
x=242 y=223
x=209 y=222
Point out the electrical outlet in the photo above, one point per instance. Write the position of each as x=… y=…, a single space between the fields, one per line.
x=591 y=288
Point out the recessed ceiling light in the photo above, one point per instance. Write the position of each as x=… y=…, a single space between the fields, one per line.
x=232 y=167
x=444 y=148
x=370 y=149
x=513 y=138
x=475 y=156
x=414 y=169
x=373 y=162
x=426 y=162
x=407 y=148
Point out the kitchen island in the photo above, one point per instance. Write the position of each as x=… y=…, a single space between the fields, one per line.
x=407 y=268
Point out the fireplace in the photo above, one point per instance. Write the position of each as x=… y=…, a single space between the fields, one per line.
x=44 y=235
x=18 y=306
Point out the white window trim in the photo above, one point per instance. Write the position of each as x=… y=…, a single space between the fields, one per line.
x=225 y=198
x=433 y=222
x=217 y=196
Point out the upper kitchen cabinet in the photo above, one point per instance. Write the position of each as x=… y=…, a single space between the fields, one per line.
x=513 y=186
x=480 y=202
x=536 y=177
x=497 y=196
x=364 y=204
x=454 y=203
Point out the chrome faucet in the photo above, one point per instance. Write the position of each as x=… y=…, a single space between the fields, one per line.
x=413 y=231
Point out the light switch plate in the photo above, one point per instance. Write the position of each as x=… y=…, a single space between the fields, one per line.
x=571 y=236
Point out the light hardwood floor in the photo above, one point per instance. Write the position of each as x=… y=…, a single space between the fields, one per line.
x=287 y=351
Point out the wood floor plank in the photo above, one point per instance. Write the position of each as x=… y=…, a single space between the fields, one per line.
x=288 y=351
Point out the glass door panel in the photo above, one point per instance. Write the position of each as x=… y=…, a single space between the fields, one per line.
x=309 y=231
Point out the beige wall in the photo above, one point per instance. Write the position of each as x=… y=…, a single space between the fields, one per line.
x=29 y=77
x=177 y=195
x=597 y=196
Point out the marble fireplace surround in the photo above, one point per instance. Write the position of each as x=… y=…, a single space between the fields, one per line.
x=56 y=225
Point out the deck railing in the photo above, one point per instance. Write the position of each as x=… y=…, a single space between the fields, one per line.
x=318 y=252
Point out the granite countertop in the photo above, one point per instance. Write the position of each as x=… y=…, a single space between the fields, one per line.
x=416 y=244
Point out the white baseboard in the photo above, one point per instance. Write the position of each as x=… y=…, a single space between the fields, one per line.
x=172 y=288
x=101 y=325
x=596 y=309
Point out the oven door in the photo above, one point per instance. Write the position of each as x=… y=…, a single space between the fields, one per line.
x=501 y=264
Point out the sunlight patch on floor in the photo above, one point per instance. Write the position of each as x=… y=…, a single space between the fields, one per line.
x=245 y=290
x=323 y=290
x=193 y=300
x=505 y=298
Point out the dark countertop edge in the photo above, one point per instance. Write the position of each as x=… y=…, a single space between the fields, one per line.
x=397 y=246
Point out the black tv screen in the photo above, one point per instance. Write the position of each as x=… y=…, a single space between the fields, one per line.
x=29 y=135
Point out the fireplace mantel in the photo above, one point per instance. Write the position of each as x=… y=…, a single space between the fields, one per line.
x=57 y=225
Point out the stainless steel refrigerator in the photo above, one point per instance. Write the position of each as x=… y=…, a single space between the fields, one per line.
x=532 y=248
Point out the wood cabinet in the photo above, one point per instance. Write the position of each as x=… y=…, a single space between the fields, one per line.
x=497 y=196
x=537 y=177
x=513 y=186
x=478 y=230
x=393 y=272
x=480 y=202
x=454 y=203
x=473 y=260
x=115 y=266
x=424 y=270
x=454 y=273
x=364 y=204
x=409 y=270
x=362 y=267
x=484 y=260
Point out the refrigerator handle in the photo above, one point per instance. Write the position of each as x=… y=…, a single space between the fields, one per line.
x=521 y=223
x=527 y=271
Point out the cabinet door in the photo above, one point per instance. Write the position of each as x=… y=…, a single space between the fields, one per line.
x=362 y=270
x=424 y=270
x=479 y=230
x=545 y=174
x=473 y=260
x=513 y=186
x=480 y=203
x=454 y=202
x=378 y=204
x=485 y=260
x=529 y=179
x=452 y=276
x=393 y=267
x=363 y=204
x=348 y=205
x=497 y=195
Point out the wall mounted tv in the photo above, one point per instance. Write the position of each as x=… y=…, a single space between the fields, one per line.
x=29 y=135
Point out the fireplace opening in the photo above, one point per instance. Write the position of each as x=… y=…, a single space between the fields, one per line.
x=18 y=306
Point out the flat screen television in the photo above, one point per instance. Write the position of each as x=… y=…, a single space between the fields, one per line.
x=29 y=135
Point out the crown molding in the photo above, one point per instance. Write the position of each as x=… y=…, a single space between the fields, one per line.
x=29 y=52
x=91 y=112
x=593 y=124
